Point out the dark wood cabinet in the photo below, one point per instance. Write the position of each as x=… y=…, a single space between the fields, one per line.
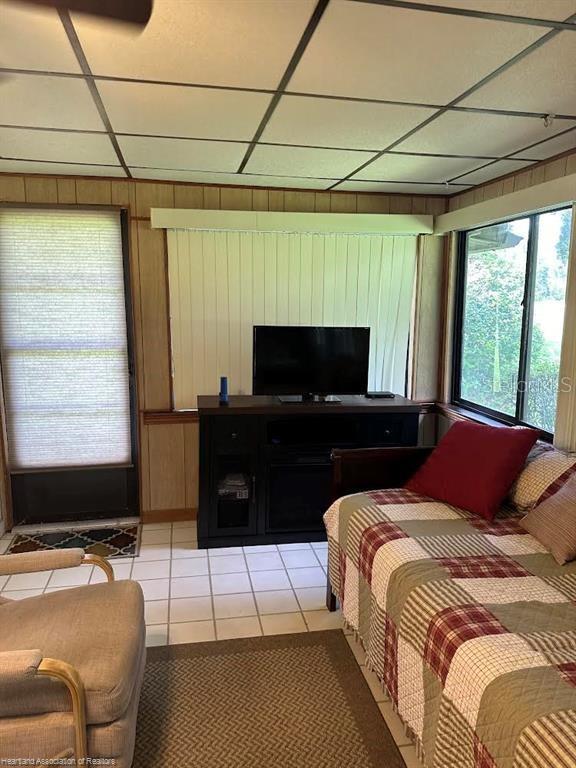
x=265 y=467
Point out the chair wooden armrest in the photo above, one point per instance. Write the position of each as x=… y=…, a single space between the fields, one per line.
x=50 y=560
x=21 y=665
x=367 y=469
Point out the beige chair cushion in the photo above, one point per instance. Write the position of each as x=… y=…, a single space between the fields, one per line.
x=99 y=629
x=553 y=523
x=52 y=735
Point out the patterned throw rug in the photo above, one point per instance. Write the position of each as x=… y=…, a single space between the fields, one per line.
x=112 y=541
x=290 y=701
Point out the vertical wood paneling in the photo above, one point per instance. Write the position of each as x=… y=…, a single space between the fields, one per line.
x=40 y=189
x=212 y=198
x=150 y=195
x=12 y=189
x=124 y=194
x=188 y=197
x=93 y=192
x=167 y=466
x=191 y=464
x=234 y=280
x=66 y=190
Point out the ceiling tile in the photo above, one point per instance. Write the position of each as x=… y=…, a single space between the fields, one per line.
x=47 y=102
x=57 y=145
x=335 y=123
x=235 y=179
x=399 y=189
x=468 y=133
x=544 y=81
x=494 y=171
x=179 y=111
x=563 y=143
x=34 y=38
x=393 y=53
x=59 y=169
x=229 y=42
x=299 y=161
x=417 y=168
x=553 y=10
x=182 y=154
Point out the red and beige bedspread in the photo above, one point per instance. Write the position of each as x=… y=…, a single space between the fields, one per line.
x=470 y=625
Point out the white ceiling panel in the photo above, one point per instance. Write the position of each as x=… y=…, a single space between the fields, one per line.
x=47 y=102
x=467 y=133
x=57 y=145
x=34 y=38
x=417 y=168
x=243 y=179
x=552 y=10
x=334 y=123
x=494 y=171
x=229 y=42
x=300 y=161
x=544 y=81
x=179 y=111
x=182 y=154
x=563 y=143
x=59 y=169
x=398 y=189
x=393 y=53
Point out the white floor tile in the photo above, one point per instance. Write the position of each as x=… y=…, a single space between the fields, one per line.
x=311 y=598
x=322 y=555
x=157 y=589
x=263 y=581
x=394 y=724
x=191 y=566
x=282 y=601
x=307 y=577
x=71 y=577
x=319 y=620
x=220 y=551
x=157 y=634
x=228 y=629
x=230 y=583
x=184 y=549
x=185 y=524
x=264 y=561
x=155 y=526
x=4 y=544
x=28 y=580
x=283 y=624
x=190 y=586
x=257 y=549
x=156 y=612
x=21 y=594
x=143 y=571
x=295 y=546
x=319 y=546
x=410 y=757
x=190 y=609
x=3 y=580
x=181 y=535
x=357 y=650
x=227 y=564
x=154 y=552
x=300 y=558
x=374 y=684
x=121 y=571
x=234 y=606
x=191 y=632
x=155 y=536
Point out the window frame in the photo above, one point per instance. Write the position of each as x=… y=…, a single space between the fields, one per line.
x=526 y=327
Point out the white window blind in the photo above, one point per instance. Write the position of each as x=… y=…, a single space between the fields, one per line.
x=222 y=283
x=63 y=338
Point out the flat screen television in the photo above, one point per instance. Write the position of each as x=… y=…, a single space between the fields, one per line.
x=306 y=361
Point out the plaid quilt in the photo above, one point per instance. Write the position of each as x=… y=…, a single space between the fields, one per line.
x=470 y=626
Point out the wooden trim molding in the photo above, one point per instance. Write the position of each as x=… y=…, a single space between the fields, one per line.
x=171 y=417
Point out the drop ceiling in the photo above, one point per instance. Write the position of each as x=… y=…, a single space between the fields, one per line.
x=428 y=97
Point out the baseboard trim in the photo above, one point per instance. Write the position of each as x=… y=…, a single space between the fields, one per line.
x=168 y=515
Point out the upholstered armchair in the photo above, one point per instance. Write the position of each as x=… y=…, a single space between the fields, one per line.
x=71 y=665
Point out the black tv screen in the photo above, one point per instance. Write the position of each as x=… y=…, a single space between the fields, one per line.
x=300 y=360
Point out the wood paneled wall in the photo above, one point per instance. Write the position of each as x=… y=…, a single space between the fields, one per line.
x=547 y=170
x=169 y=450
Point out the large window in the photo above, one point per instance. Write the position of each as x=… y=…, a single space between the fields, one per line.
x=509 y=318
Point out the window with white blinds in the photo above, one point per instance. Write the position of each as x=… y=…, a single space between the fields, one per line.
x=222 y=283
x=63 y=340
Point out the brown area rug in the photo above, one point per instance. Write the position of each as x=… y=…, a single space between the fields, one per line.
x=111 y=541
x=289 y=701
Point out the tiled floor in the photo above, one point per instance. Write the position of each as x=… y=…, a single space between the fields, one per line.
x=194 y=595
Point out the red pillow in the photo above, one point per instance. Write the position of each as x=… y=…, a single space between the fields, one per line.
x=474 y=465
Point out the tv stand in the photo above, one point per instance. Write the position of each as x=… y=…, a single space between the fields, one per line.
x=310 y=398
x=266 y=469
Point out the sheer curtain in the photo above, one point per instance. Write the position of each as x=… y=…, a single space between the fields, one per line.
x=222 y=283
x=63 y=341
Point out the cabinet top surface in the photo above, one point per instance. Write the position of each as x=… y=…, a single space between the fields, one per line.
x=267 y=404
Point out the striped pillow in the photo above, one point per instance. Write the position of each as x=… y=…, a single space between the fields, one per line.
x=553 y=523
x=545 y=471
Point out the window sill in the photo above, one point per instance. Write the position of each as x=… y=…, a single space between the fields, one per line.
x=459 y=413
